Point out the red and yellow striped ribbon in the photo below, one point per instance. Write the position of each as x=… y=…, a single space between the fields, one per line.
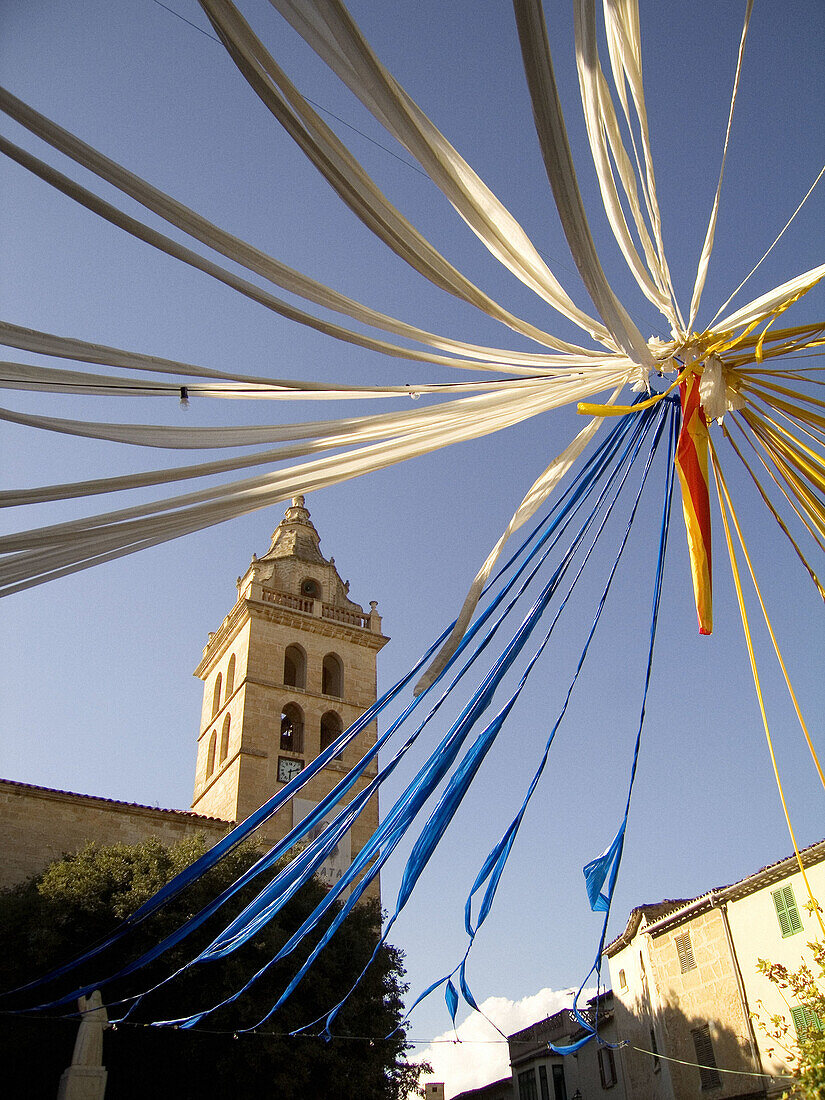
x=692 y=467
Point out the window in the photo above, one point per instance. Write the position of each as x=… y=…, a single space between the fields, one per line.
x=559 y=1086
x=657 y=1065
x=789 y=920
x=224 y=741
x=331 y=729
x=230 y=678
x=310 y=588
x=295 y=667
x=622 y=980
x=645 y=996
x=607 y=1068
x=543 y=1089
x=684 y=949
x=332 y=678
x=806 y=1021
x=527 y=1085
x=216 y=695
x=702 y=1044
x=292 y=729
x=210 y=756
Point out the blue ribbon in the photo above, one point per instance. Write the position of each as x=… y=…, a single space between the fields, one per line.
x=383 y=842
x=626 y=436
x=462 y=777
x=605 y=868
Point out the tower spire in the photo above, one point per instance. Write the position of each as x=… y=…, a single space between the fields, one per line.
x=295 y=536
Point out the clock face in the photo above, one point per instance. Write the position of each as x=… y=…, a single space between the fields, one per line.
x=288 y=768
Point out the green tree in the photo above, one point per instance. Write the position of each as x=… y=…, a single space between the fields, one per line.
x=799 y=1033
x=80 y=898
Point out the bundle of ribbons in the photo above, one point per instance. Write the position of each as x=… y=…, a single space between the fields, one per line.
x=729 y=376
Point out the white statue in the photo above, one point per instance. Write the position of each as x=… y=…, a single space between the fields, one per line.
x=85 y=1079
x=88 y=1046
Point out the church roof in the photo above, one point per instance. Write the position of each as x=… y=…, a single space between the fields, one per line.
x=189 y=814
x=295 y=536
x=295 y=567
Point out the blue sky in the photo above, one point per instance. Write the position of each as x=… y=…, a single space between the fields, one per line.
x=97 y=691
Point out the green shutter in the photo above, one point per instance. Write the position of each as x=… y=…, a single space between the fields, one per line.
x=805 y=1020
x=789 y=920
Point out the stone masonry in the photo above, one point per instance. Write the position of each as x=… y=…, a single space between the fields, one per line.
x=39 y=825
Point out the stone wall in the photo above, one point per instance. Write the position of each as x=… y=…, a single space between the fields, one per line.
x=639 y=1022
x=705 y=994
x=254 y=638
x=39 y=825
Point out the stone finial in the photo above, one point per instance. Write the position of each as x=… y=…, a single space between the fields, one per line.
x=297 y=512
x=375 y=618
x=295 y=535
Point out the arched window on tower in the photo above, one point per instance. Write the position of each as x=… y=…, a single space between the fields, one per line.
x=310 y=589
x=224 y=740
x=216 y=695
x=331 y=729
x=230 y=678
x=210 y=756
x=295 y=667
x=332 y=676
x=292 y=729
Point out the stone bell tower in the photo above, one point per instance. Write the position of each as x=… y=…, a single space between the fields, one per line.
x=289 y=668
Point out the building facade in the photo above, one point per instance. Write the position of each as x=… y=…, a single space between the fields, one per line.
x=595 y=1070
x=683 y=1018
x=688 y=989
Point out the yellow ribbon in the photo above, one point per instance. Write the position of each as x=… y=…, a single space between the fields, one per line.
x=769 y=505
x=586 y=409
x=790 y=492
x=721 y=489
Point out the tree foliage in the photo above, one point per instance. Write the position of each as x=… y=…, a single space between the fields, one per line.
x=80 y=898
x=803 y=991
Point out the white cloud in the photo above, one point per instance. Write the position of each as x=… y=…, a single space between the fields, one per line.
x=482 y=1055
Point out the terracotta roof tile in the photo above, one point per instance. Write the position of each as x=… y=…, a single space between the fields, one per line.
x=110 y=801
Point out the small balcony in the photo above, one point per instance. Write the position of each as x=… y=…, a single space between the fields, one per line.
x=308 y=606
